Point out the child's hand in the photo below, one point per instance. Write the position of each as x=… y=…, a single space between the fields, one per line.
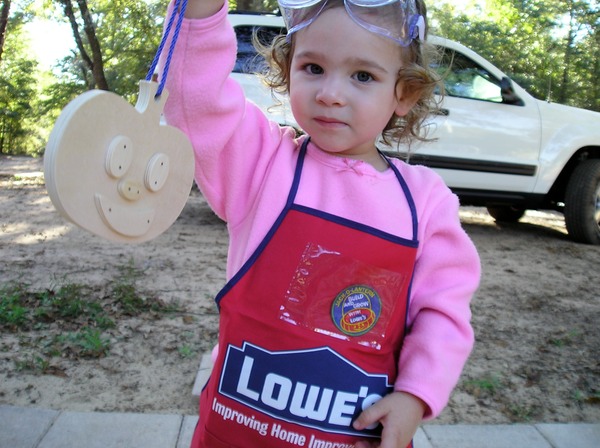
x=399 y=413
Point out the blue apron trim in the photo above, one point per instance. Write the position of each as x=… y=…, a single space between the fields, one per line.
x=297 y=174
x=408 y=196
x=356 y=225
x=248 y=264
x=403 y=184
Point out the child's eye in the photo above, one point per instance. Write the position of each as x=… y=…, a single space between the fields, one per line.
x=313 y=69
x=363 y=77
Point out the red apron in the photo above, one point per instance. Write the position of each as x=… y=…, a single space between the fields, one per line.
x=310 y=332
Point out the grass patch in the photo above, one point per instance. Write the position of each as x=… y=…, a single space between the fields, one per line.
x=591 y=396
x=487 y=385
x=522 y=413
x=21 y=180
x=126 y=296
x=71 y=319
x=33 y=364
x=186 y=351
x=13 y=313
x=86 y=342
x=565 y=338
x=22 y=309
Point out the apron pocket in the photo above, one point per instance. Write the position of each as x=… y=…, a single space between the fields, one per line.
x=341 y=297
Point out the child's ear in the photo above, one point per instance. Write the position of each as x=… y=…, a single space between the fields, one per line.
x=406 y=100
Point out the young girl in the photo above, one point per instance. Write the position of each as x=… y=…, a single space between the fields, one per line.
x=345 y=318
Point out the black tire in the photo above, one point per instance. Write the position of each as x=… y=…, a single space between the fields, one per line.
x=506 y=213
x=582 y=203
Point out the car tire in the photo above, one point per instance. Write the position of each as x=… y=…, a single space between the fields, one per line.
x=582 y=203
x=506 y=213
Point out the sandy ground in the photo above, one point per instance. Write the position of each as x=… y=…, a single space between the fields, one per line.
x=536 y=315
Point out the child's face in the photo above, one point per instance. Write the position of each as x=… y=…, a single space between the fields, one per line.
x=343 y=84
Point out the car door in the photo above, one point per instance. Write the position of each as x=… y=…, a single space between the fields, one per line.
x=485 y=139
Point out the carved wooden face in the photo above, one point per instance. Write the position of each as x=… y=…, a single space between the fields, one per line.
x=116 y=170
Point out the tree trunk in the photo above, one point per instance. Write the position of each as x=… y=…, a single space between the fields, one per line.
x=68 y=10
x=250 y=5
x=563 y=94
x=93 y=63
x=3 y=25
x=90 y=32
x=595 y=78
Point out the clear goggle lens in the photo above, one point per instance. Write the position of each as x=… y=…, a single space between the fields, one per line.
x=398 y=20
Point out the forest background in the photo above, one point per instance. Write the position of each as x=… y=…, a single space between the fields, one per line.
x=550 y=47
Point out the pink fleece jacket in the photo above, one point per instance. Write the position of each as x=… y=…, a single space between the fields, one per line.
x=244 y=168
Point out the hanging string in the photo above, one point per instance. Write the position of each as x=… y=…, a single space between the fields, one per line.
x=178 y=10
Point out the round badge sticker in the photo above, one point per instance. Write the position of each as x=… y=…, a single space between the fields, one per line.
x=356 y=310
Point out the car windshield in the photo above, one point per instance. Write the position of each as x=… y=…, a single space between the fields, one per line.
x=248 y=61
x=464 y=78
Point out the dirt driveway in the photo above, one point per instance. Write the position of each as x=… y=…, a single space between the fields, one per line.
x=536 y=315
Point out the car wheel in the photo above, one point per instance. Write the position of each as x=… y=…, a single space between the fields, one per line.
x=506 y=213
x=582 y=203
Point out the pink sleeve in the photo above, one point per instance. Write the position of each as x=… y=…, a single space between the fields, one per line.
x=440 y=336
x=232 y=139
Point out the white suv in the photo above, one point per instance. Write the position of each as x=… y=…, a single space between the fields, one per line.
x=496 y=145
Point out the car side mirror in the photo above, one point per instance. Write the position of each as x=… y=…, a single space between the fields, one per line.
x=508 y=92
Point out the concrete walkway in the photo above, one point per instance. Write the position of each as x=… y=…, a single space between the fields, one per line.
x=46 y=428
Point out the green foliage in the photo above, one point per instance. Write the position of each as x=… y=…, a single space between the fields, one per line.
x=550 y=47
x=71 y=301
x=129 y=33
x=21 y=309
x=85 y=343
x=18 y=92
x=12 y=312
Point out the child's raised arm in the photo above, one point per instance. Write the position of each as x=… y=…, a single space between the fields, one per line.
x=233 y=140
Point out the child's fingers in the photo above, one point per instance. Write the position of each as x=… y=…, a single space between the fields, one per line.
x=369 y=417
x=399 y=413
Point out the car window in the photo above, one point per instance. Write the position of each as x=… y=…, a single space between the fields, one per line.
x=248 y=61
x=464 y=78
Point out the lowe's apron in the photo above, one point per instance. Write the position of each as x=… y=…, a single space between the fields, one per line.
x=310 y=332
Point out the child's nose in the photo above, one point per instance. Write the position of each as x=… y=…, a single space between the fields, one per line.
x=331 y=92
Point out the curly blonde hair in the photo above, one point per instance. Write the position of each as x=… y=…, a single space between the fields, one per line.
x=415 y=76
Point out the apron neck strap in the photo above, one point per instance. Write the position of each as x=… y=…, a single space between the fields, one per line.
x=403 y=184
x=297 y=174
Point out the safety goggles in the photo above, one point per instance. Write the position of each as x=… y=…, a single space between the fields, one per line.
x=398 y=20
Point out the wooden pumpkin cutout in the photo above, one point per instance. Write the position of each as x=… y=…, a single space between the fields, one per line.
x=117 y=170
